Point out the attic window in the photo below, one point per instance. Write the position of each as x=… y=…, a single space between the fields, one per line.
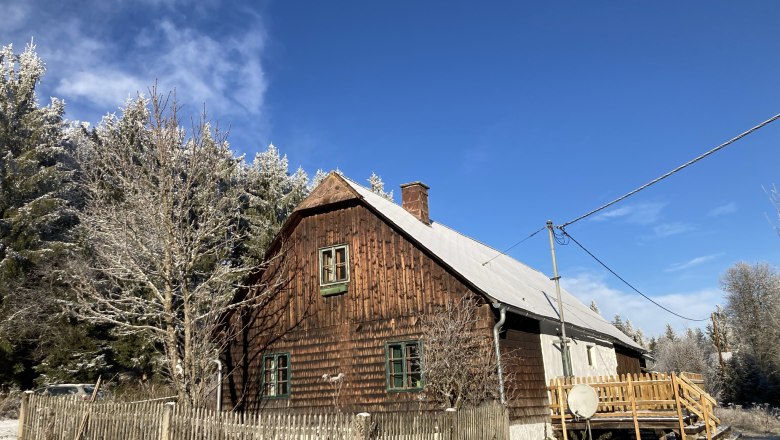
x=334 y=265
x=590 y=349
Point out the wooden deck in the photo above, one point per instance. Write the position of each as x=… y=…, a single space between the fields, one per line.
x=653 y=401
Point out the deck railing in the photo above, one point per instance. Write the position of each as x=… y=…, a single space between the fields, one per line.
x=639 y=397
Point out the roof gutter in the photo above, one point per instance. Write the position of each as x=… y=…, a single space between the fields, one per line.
x=496 y=329
x=594 y=333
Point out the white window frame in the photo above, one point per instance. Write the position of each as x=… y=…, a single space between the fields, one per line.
x=333 y=267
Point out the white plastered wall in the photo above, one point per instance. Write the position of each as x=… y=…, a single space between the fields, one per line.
x=602 y=353
x=531 y=431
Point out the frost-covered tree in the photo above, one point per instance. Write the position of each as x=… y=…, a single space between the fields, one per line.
x=628 y=329
x=753 y=311
x=681 y=354
x=377 y=186
x=162 y=222
x=271 y=193
x=687 y=352
x=36 y=212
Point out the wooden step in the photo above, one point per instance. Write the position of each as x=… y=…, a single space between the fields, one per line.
x=722 y=433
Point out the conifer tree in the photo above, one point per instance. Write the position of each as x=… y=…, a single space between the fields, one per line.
x=377 y=186
x=36 y=211
x=272 y=193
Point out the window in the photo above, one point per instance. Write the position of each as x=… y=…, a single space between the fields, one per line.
x=334 y=265
x=590 y=348
x=276 y=375
x=404 y=366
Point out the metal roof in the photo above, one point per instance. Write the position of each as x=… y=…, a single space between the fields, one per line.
x=505 y=280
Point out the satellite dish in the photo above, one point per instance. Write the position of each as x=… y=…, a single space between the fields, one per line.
x=583 y=401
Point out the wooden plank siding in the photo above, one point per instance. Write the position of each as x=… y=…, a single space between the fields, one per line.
x=525 y=385
x=391 y=282
x=628 y=361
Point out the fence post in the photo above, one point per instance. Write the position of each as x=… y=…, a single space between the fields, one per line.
x=362 y=426
x=675 y=388
x=448 y=427
x=165 y=424
x=24 y=414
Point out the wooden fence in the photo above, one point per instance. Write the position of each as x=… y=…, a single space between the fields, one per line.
x=639 y=398
x=58 y=418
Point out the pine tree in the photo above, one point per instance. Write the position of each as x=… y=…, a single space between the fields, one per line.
x=669 y=333
x=377 y=186
x=36 y=212
x=271 y=195
x=35 y=171
x=618 y=323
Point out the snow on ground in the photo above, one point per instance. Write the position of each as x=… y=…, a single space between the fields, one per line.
x=8 y=429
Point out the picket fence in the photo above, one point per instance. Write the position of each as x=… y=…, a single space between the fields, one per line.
x=53 y=418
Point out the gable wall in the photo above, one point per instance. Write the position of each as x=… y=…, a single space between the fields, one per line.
x=391 y=283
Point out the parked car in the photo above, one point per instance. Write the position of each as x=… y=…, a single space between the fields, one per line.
x=81 y=390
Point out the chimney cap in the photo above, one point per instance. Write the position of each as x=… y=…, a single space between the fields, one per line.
x=416 y=183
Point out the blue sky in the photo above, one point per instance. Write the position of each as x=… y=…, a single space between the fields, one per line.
x=512 y=112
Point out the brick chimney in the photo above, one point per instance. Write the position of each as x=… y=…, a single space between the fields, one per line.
x=414 y=198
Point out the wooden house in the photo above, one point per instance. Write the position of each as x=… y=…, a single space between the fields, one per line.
x=351 y=275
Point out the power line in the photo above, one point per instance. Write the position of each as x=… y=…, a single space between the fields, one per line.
x=624 y=281
x=685 y=165
x=516 y=244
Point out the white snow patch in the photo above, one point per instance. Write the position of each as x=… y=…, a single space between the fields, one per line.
x=8 y=429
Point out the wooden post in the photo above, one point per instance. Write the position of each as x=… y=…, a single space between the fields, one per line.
x=632 y=399
x=362 y=426
x=165 y=424
x=84 y=420
x=677 y=404
x=448 y=431
x=24 y=414
x=561 y=408
x=705 y=410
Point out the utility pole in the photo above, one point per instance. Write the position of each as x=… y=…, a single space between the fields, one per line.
x=717 y=339
x=564 y=341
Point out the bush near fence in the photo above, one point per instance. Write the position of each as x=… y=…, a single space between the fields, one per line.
x=53 y=418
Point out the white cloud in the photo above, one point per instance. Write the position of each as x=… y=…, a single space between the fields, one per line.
x=15 y=16
x=107 y=88
x=96 y=66
x=668 y=229
x=728 y=208
x=641 y=213
x=642 y=313
x=693 y=262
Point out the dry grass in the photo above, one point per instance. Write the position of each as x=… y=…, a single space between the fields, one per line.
x=9 y=405
x=135 y=392
x=759 y=418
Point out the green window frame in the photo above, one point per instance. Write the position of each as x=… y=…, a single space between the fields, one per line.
x=276 y=376
x=334 y=265
x=403 y=366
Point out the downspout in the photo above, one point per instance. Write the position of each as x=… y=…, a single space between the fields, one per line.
x=219 y=384
x=496 y=329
